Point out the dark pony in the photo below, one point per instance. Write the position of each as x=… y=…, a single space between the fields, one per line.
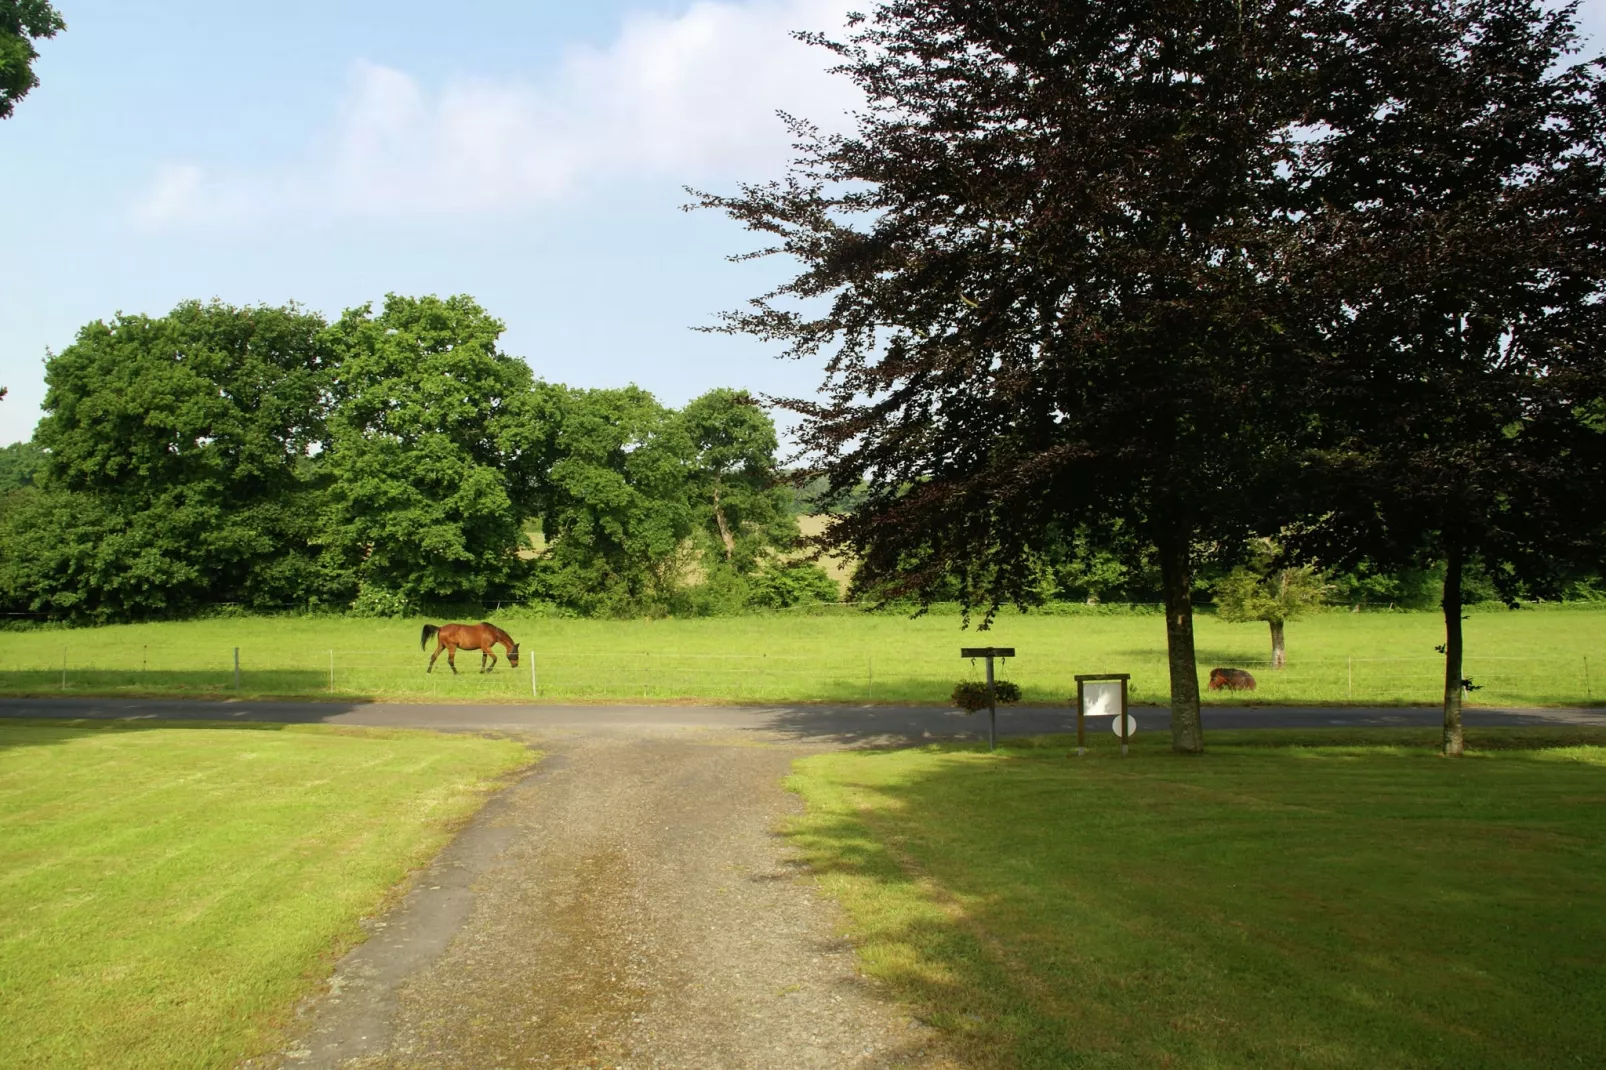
x=482 y=637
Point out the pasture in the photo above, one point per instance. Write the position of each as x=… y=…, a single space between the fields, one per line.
x=1531 y=657
x=168 y=893
x=1293 y=900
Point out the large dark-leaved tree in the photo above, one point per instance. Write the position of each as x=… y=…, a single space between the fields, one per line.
x=1459 y=154
x=1046 y=279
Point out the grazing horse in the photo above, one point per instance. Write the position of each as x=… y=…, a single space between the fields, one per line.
x=482 y=637
x=1231 y=679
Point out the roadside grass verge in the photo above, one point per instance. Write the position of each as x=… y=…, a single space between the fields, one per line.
x=1345 y=898
x=168 y=893
x=1529 y=657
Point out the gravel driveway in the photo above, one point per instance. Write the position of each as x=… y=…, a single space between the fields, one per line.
x=628 y=904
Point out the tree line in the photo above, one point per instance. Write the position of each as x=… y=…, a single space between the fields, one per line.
x=1166 y=279
x=387 y=461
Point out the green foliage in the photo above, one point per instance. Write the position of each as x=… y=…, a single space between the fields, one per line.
x=435 y=439
x=616 y=515
x=22 y=22
x=1263 y=590
x=971 y=695
x=180 y=469
x=375 y=601
x=734 y=490
x=20 y=464
x=782 y=584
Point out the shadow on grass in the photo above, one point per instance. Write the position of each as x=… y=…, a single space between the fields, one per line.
x=1298 y=898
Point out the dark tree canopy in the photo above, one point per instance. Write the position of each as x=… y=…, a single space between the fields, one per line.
x=22 y=22
x=1047 y=278
x=1460 y=157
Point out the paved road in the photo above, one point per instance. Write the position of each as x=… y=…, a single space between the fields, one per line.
x=840 y=725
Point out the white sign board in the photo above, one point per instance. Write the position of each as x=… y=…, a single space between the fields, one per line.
x=1101 y=698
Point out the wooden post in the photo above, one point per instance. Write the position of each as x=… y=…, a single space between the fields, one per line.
x=992 y=709
x=1122 y=715
x=989 y=652
x=1081 y=727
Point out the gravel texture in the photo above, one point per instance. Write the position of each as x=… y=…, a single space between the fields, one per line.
x=628 y=904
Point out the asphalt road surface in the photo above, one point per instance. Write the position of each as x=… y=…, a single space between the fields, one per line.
x=839 y=725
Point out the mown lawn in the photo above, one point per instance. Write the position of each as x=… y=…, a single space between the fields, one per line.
x=1287 y=900
x=167 y=894
x=1550 y=656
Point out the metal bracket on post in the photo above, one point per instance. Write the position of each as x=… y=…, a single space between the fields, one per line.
x=989 y=652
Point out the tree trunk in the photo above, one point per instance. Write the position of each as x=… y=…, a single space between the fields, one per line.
x=1176 y=575
x=724 y=528
x=1453 y=740
x=1278 y=654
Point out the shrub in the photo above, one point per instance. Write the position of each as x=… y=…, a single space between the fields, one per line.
x=971 y=695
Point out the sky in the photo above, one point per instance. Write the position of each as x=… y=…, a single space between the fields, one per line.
x=530 y=153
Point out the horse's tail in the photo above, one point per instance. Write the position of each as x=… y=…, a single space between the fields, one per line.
x=430 y=632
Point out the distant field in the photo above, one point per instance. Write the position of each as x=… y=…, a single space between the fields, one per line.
x=1346 y=899
x=1554 y=656
x=167 y=894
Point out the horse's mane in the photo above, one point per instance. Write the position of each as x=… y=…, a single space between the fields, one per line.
x=501 y=636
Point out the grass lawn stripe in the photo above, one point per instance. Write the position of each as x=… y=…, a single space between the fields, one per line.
x=167 y=894
x=1526 y=657
x=1276 y=906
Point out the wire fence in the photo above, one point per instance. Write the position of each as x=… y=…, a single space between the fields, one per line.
x=854 y=677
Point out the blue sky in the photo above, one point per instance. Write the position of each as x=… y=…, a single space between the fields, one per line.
x=529 y=153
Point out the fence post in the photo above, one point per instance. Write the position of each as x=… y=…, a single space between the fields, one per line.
x=236 y=669
x=533 y=692
x=869 y=664
x=1588 y=693
x=1349 y=688
x=331 y=672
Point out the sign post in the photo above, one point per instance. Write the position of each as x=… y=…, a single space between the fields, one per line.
x=989 y=652
x=1107 y=695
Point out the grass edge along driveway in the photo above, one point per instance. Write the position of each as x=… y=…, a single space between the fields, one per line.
x=168 y=893
x=1347 y=899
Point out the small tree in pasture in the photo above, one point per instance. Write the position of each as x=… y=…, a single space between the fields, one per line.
x=1270 y=591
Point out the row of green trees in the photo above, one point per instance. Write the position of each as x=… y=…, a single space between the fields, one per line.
x=391 y=459
x=1163 y=278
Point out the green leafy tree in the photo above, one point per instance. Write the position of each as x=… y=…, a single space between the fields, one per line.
x=180 y=468
x=20 y=464
x=1459 y=152
x=617 y=517
x=437 y=442
x=1047 y=278
x=22 y=22
x=734 y=482
x=1266 y=589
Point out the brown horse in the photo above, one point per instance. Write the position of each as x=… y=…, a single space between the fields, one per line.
x=482 y=637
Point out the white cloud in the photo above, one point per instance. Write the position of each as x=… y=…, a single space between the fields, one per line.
x=684 y=98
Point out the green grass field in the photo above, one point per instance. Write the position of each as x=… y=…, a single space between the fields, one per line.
x=1351 y=900
x=1550 y=656
x=167 y=894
